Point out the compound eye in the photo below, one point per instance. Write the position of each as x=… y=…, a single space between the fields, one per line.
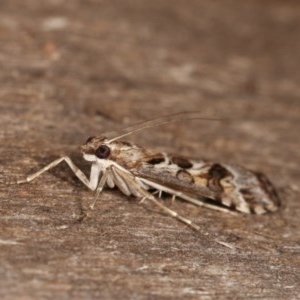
x=89 y=139
x=103 y=151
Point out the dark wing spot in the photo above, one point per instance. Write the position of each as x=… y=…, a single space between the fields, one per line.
x=268 y=187
x=217 y=171
x=181 y=162
x=155 y=160
x=250 y=198
x=246 y=193
x=215 y=174
x=185 y=176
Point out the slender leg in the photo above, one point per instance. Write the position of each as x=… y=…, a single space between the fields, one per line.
x=56 y=162
x=100 y=187
x=131 y=180
x=153 y=194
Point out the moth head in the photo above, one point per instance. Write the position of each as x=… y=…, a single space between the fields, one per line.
x=96 y=148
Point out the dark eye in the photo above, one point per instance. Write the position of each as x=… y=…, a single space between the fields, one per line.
x=103 y=151
x=89 y=139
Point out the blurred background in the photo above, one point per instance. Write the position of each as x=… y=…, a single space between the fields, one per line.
x=142 y=59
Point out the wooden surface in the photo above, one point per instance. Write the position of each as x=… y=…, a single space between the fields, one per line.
x=72 y=69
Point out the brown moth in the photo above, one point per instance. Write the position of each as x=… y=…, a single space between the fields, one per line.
x=144 y=173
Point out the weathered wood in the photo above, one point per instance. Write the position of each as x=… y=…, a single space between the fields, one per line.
x=74 y=69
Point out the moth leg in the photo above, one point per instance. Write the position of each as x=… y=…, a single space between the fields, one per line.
x=100 y=187
x=130 y=179
x=187 y=198
x=159 y=194
x=153 y=194
x=80 y=175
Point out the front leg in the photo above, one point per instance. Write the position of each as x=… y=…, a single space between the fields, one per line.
x=91 y=184
x=100 y=187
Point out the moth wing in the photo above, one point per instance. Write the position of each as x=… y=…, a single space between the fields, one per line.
x=176 y=181
x=230 y=186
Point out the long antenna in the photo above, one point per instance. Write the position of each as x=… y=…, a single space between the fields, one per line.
x=159 y=121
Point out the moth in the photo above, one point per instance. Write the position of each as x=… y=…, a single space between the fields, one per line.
x=146 y=174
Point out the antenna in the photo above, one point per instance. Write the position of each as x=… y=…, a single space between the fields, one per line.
x=159 y=121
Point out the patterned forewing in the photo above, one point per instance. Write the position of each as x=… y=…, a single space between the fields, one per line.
x=228 y=185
